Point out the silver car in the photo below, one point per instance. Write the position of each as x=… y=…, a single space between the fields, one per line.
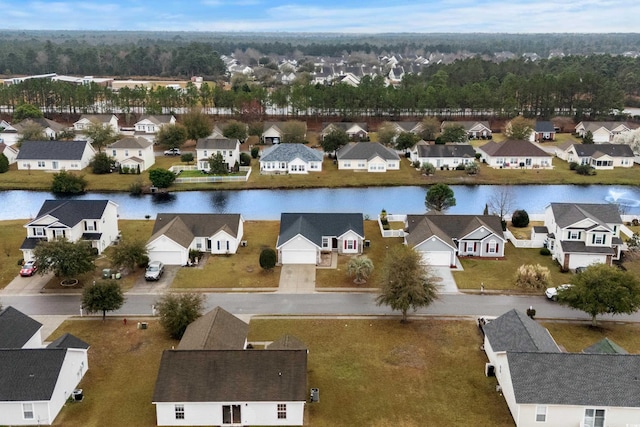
x=154 y=270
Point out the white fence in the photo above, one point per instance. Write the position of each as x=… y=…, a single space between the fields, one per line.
x=521 y=243
x=392 y=233
x=211 y=178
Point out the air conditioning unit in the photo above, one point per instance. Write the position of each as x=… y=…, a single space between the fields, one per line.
x=367 y=243
x=243 y=243
x=498 y=388
x=489 y=370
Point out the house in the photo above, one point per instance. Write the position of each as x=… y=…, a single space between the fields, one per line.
x=106 y=120
x=94 y=221
x=304 y=236
x=151 y=124
x=174 y=235
x=475 y=130
x=410 y=127
x=602 y=132
x=441 y=239
x=581 y=234
x=367 y=156
x=9 y=152
x=274 y=132
x=17 y=330
x=543 y=131
x=207 y=148
x=448 y=156
x=54 y=156
x=605 y=346
x=355 y=131
x=600 y=156
x=515 y=154
x=231 y=387
x=290 y=158
x=216 y=330
x=133 y=152
x=10 y=134
x=219 y=128
x=544 y=386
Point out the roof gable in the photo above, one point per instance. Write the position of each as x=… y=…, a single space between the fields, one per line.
x=449 y=227
x=217 y=144
x=29 y=374
x=512 y=147
x=216 y=330
x=71 y=212
x=613 y=150
x=366 y=151
x=566 y=214
x=16 y=328
x=68 y=341
x=288 y=151
x=314 y=226
x=184 y=227
x=515 y=331
x=132 y=142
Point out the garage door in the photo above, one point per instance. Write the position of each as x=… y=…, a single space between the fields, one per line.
x=442 y=258
x=168 y=257
x=299 y=257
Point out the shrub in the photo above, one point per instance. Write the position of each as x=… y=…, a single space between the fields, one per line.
x=255 y=151
x=4 y=163
x=472 y=168
x=186 y=158
x=416 y=164
x=545 y=252
x=428 y=169
x=268 y=258
x=520 y=218
x=573 y=166
x=136 y=187
x=531 y=276
x=585 y=170
x=460 y=167
x=245 y=159
x=68 y=183
x=478 y=155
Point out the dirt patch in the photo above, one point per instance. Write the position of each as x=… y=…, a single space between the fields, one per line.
x=408 y=356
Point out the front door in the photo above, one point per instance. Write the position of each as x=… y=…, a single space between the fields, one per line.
x=334 y=243
x=54 y=165
x=231 y=414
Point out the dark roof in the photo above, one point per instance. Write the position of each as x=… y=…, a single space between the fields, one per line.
x=544 y=126
x=216 y=330
x=52 y=150
x=31 y=242
x=566 y=214
x=16 y=328
x=232 y=376
x=605 y=346
x=287 y=152
x=183 y=228
x=575 y=379
x=574 y=246
x=91 y=236
x=68 y=341
x=540 y=229
x=449 y=227
x=287 y=342
x=217 y=144
x=449 y=150
x=29 y=374
x=314 y=226
x=71 y=212
x=513 y=147
x=595 y=150
x=515 y=331
x=366 y=151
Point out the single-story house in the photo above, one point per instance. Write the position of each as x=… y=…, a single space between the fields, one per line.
x=543 y=131
x=603 y=132
x=17 y=330
x=515 y=154
x=175 y=234
x=133 y=152
x=410 y=127
x=474 y=129
x=356 y=131
x=10 y=134
x=54 y=156
x=600 y=156
x=215 y=330
x=441 y=239
x=274 y=132
x=367 y=156
x=106 y=120
x=304 y=236
x=10 y=153
x=291 y=158
x=94 y=221
x=448 y=156
x=228 y=148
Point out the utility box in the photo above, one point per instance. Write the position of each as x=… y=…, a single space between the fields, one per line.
x=106 y=273
x=315 y=395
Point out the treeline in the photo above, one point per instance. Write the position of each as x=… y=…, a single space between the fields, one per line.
x=574 y=86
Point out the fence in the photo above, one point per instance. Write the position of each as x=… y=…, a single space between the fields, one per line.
x=521 y=243
x=392 y=233
x=211 y=178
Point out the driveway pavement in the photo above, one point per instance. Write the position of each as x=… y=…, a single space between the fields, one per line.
x=26 y=285
x=447 y=283
x=297 y=279
x=158 y=287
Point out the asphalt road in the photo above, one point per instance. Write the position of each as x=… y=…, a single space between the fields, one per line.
x=320 y=304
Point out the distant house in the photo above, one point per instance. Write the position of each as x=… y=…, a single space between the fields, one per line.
x=207 y=148
x=54 y=156
x=447 y=156
x=441 y=239
x=603 y=132
x=151 y=124
x=410 y=127
x=515 y=154
x=174 y=235
x=475 y=130
x=94 y=221
x=219 y=128
x=106 y=120
x=274 y=132
x=600 y=156
x=355 y=131
x=10 y=134
x=290 y=158
x=133 y=152
x=215 y=330
x=10 y=153
x=17 y=330
x=543 y=131
x=367 y=156
x=304 y=236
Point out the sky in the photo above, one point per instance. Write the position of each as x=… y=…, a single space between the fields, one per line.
x=335 y=16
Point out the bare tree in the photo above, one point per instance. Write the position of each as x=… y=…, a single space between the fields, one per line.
x=502 y=200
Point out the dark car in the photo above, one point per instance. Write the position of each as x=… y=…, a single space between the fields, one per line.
x=29 y=269
x=154 y=270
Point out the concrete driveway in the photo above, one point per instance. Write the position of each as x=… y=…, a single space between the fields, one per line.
x=297 y=279
x=143 y=287
x=446 y=284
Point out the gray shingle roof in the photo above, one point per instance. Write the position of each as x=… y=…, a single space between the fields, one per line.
x=42 y=122
x=71 y=212
x=182 y=228
x=605 y=346
x=449 y=227
x=232 y=376
x=345 y=126
x=287 y=152
x=449 y=150
x=29 y=374
x=544 y=126
x=52 y=150
x=574 y=246
x=366 y=151
x=575 y=379
x=466 y=124
x=157 y=119
x=613 y=150
x=68 y=341
x=16 y=328
x=217 y=144
x=566 y=214
x=594 y=126
x=515 y=331
x=132 y=142
x=314 y=226
x=216 y=330
x=287 y=342
x=513 y=147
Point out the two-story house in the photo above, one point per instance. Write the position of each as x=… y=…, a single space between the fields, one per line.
x=151 y=124
x=228 y=148
x=106 y=120
x=580 y=234
x=94 y=221
x=133 y=152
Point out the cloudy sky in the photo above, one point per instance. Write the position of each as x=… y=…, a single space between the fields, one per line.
x=348 y=16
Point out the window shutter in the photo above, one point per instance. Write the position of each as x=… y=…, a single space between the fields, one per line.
x=487 y=247
x=593 y=238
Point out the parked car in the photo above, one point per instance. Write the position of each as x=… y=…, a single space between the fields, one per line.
x=29 y=269
x=154 y=271
x=552 y=293
x=580 y=269
x=172 y=152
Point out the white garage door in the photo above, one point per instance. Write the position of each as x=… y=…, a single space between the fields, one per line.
x=576 y=260
x=299 y=257
x=441 y=258
x=167 y=257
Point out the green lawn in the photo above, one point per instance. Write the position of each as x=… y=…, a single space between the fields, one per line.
x=12 y=234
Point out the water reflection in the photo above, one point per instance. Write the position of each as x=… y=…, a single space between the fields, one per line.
x=219 y=200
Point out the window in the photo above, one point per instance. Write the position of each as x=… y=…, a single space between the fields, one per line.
x=27 y=411
x=90 y=226
x=126 y=153
x=205 y=153
x=283 y=165
x=230 y=153
x=294 y=168
x=362 y=165
x=282 y=411
x=113 y=153
x=140 y=153
x=301 y=168
x=39 y=231
x=350 y=244
x=325 y=242
x=541 y=414
x=40 y=164
x=598 y=239
x=179 y=410
x=573 y=235
x=347 y=164
x=593 y=418
x=58 y=233
x=492 y=247
x=231 y=414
